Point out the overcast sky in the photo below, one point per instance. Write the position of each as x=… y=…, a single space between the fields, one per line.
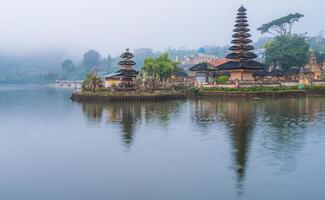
x=112 y=25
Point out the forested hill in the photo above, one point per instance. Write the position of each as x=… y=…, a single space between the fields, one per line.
x=31 y=67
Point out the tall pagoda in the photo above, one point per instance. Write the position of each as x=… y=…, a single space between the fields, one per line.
x=125 y=76
x=241 y=62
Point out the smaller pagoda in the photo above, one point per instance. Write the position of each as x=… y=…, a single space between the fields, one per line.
x=126 y=75
x=313 y=67
x=241 y=64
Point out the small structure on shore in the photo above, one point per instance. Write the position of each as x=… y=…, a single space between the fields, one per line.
x=124 y=77
x=313 y=67
x=204 y=72
x=292 y=74
x=207 y=72
x=241 y=64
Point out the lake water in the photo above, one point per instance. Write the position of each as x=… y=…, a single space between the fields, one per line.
x=55 y=149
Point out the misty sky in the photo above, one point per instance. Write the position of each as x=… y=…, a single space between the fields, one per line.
x=112 y=25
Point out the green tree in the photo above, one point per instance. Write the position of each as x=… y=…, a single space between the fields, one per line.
x=281 y=26
x=90 y=59
x=161 y=67
x=287 y=51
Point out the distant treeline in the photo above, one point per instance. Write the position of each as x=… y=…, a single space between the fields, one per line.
x=50 y=66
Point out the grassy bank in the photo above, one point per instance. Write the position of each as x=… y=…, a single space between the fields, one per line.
x=257 y=91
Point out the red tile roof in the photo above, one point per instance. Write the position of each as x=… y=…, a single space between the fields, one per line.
x=218 y=61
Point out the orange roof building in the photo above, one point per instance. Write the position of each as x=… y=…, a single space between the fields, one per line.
x=218 y=61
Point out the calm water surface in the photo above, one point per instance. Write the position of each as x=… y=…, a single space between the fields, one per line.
x=52 y=148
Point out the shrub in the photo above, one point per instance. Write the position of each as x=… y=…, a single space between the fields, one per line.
x=322 y=76
x=222 y=79
x=194 y=90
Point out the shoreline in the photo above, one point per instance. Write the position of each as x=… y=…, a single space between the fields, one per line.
x=182 y=95
x=110 y=97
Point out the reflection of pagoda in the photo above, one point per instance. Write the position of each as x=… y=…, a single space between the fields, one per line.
x=241 y=64
x=126 y=115
x=239 y=118
x=124 y=76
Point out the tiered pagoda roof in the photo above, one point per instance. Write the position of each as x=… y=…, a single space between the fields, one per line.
x=127 y=63
x=241 y=56
x=127 y=59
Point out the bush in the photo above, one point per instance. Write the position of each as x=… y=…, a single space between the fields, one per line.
x=223 y=79
x=194 y=90
x=322 y=76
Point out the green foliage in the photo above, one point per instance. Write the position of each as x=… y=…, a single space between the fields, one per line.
x=287 y=51
x=86 y=83
x=281 y=26
x=194 y=91
x=250 y=89
x=322 y=76
x=222 y=79
x=161 y=67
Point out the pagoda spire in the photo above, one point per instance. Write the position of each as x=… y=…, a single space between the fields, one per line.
x=241 y=49
x=127 y=61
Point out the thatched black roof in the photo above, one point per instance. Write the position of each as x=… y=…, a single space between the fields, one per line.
x=241 y=29
x=128 y=73
x=127 y=62
x=292 y=71
x=276 y=72
x=181 y=73
x=242 y=9
x=241 y=47
x=203 y=67
x=244 y=55
x=244 y=64
x=241 y=21
x=127 y=54
x=241 y=41
x=241 y=34
x=241 y=17
x=260 y=73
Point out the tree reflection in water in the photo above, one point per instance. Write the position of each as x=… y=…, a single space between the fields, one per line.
x=287 y=124
x=278 y=125
x=130 y=114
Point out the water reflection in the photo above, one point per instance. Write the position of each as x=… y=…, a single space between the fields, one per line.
x=278 y=125
x=239 y=118
x=275 y=129
x=287 y=124
x=130 y=115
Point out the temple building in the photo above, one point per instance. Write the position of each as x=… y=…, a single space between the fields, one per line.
x=125 y=76
x=207 y=72
x=292 y=74
x=241 y=64
x=204 y=73
x=313 y=67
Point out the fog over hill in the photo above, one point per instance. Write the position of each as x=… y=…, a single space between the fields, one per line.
x=38 y=35
x=112 y=25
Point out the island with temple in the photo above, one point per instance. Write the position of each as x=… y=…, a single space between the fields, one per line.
x=128 y=84
x=240 y=74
